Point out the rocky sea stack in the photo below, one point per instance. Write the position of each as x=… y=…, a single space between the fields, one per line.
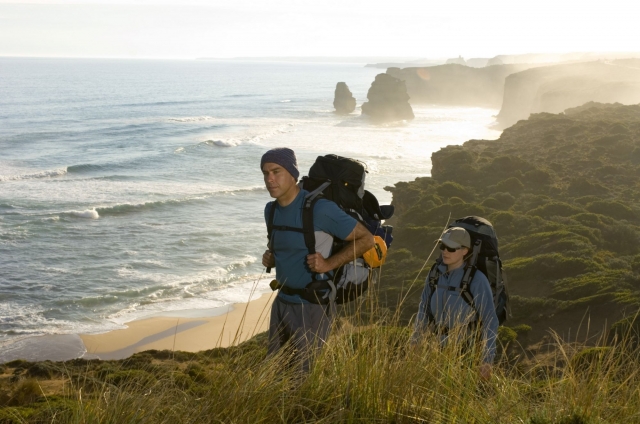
x=344 y=102
x=388 y=100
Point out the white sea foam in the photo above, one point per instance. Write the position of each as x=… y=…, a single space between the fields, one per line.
x=87 y=214
x=223 y=143
x=33 y=175
x=192 y=119
x=285 y=101
x=237 y=290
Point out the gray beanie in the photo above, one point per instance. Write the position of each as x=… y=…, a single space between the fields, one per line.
x=284 y=157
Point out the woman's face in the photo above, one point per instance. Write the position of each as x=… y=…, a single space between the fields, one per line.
x=454 y=258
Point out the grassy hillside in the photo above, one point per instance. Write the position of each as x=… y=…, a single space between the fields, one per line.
x=563 y=192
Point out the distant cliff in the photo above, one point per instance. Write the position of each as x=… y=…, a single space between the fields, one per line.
x=555 y=88
x=455 y=84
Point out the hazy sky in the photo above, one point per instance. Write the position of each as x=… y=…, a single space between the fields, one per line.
x=221 y=28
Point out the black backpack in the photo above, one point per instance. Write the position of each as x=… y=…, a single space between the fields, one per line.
x=340 y=180
x=484 y=257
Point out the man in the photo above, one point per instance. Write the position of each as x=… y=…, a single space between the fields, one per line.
x=304 y=324
x=444 y=310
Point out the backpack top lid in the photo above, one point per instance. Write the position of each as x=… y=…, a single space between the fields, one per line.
x=479 y=228
x=345 y=172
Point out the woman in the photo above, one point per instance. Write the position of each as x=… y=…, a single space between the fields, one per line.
x=445 y=309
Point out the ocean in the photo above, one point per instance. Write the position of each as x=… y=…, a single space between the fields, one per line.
x=131 y=188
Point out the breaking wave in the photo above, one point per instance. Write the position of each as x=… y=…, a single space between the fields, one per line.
x=86 y=214
x=82 y=168
x=42 y=174
x=223 y=143
x=126 y=208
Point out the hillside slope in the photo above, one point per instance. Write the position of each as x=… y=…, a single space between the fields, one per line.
x=563 y=192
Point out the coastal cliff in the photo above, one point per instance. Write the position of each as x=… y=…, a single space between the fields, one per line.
x=455 y=84
x=562 y=193
x=555 y=88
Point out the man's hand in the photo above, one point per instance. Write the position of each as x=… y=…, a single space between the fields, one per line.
x=318 y=264
x=485 y=371
x=268 y=260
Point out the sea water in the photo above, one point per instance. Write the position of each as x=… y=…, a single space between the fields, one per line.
x=131 y=187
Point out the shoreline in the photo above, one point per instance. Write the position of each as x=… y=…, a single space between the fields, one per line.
x=221 y=327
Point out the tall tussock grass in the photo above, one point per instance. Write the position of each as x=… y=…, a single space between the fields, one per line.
x=365 y=373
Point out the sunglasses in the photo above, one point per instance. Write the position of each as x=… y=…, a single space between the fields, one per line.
x=449 y=249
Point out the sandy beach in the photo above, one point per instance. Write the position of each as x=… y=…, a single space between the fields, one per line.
x=239 y=322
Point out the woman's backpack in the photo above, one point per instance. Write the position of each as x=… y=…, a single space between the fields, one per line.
x=484 y=256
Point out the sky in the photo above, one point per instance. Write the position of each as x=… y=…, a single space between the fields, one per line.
x=187 y=29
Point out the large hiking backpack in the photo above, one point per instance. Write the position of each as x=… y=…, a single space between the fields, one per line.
x=340 y=180
x=484 y=256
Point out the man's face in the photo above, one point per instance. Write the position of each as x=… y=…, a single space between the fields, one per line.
x=277 y=179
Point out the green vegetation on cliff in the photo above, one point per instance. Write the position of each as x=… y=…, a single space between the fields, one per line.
x=563 y=192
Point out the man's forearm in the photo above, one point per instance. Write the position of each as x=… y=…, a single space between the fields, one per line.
x=351 y=251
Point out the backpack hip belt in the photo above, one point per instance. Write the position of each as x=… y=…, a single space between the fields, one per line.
x=320 y=292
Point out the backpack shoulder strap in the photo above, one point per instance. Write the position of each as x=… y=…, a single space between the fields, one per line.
x=308 y=229
x=470 y=272
x=432 y=280
x=272 y=214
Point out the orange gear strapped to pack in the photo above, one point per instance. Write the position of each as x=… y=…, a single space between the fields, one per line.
x=376 y=256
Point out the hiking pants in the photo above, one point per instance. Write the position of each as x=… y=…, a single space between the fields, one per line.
x=304 y=325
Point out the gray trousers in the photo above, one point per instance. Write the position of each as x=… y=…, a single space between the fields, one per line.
x=305 y=326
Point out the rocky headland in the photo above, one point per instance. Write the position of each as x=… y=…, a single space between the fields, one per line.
x=556 y=88
x=343 y=101
x=388 y=100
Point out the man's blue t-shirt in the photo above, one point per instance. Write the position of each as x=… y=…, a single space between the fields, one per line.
x=289 y=248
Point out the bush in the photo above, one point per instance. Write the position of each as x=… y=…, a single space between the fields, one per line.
x=555 y=209
x=616 y=210
x=574 y=288
x=584 y=187
x=500 y=201
x=527 y=202
x=537 y=177
x=456 y=201
x=451 y=189
x=506 y=336
x=587 y=199
x=532 y=308
x=26 y=392
x=40 y=370
x=547 y=267
x=511 y=185
x=561 y=241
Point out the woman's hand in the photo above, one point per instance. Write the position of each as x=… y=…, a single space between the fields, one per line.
x=485 y=371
